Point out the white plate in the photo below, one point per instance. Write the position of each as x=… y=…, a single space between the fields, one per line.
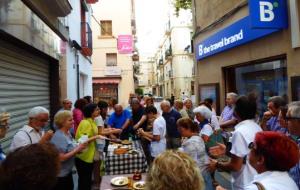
x=139 y=185
x=119 y=181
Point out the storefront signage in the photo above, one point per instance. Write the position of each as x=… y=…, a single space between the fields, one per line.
x=125 y=44
x=113 y=71
x=235 y=35
x=268 y=13
x=266 y=17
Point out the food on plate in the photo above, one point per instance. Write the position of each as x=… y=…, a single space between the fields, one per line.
x=139 y=185
x=119 y=181
x=120 y=150
x=126 y=142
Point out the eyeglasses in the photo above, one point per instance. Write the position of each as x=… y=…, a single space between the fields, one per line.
x=252 y=146
x=42 y=120
x=4 y=126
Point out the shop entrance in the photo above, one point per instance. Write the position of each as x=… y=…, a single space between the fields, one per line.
x=265 y=80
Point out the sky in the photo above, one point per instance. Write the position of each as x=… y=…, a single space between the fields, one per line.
x=151 y=18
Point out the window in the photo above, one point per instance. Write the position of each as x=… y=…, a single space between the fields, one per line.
x=111 y=59
x=106 y=28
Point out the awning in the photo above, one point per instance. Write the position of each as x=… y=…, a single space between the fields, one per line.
x=106 y=80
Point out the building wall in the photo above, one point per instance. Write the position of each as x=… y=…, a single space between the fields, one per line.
x=210 y=69
x=120 y=14
x=68 y=63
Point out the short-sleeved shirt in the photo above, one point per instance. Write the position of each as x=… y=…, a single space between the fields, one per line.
x=195 y=147
x=171 y=119
x=215 y=122
x=227 y=113
x=25 y=136
x=206 y=130
x=243 y=135
x=137 y=115
x=64 y=144
x=99 y=121
x=117 y=121
x=159 y=128
x=274 y=125
x=183 y=113
x=87 y=127
x=273 y=180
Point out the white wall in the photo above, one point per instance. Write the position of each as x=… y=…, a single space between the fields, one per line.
x=73 y=20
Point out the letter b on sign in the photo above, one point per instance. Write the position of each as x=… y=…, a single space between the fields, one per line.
x=268 y=14
x=266 y=11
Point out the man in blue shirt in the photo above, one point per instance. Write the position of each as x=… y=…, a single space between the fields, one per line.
x=120 y=119
x=270 y=120
x=171 y=116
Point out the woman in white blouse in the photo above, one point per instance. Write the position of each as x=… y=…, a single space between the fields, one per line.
x=272 y=155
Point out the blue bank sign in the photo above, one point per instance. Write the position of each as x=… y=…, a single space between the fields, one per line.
x=247 y=29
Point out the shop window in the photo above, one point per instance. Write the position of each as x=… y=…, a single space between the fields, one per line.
x=106 y=27
x=111 y=59
x=210 y=91
x=264 y=80
x=295 y=84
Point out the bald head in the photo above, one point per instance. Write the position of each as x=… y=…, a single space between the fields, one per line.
x=118 y=109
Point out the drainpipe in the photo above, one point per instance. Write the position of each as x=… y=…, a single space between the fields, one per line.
x=77 y=73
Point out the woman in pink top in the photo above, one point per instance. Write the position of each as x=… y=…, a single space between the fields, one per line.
x=78 y=112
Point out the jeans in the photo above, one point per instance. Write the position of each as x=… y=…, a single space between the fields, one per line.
x=64 y=183
x=207 y=180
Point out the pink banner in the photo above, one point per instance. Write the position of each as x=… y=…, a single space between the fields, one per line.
x=125 y=44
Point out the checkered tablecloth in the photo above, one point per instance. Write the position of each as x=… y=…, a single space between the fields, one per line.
x=125 y=163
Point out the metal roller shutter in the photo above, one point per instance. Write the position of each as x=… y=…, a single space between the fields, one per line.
x=24 y=83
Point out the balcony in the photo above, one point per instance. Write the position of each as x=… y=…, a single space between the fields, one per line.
x=91 y=1
x=86 y=39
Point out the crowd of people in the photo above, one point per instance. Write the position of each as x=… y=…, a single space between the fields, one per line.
x=182 y=143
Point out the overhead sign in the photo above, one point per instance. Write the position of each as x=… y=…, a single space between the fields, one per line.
x=266 y=17
x=236 y=34
x=268 y=13
x=125 y=44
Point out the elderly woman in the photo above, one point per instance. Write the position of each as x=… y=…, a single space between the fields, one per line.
x=203 y=116
x=84 y=161
x=178 y=105
x=4 y=118
x=194 y=146
x=174 y=170
x=32 y=167
x=63 y=141
x=271 y=162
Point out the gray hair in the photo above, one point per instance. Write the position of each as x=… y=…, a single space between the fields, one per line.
x=232 y=95
x=135 y=101
x=165 y=102
x=37 y=111
x=204 y=111
x=186 y=100
x=294 y=109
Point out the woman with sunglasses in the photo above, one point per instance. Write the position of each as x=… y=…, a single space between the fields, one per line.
x=271 y=162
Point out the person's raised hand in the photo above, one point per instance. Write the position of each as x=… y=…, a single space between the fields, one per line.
x=47 y=136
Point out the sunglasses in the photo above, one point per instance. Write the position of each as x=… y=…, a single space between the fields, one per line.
x=291 y=118
x=4 y=126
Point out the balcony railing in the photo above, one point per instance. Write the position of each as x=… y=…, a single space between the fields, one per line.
x=86 y=39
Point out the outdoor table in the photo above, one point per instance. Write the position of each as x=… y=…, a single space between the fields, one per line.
x=106 y=185
x=125 y=163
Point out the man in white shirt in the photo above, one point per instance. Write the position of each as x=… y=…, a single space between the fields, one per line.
x=241 y=170
x=32 y=132
x=158 y=135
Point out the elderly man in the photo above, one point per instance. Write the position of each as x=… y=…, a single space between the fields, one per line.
x=171 y=116
x=227 y=120
x=120 y=119
x=32 y=132
x=67 y=104
x=293 y=119
x=188 y=104
x=270 y=120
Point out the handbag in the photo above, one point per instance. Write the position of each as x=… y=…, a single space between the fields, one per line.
x=214 y=139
